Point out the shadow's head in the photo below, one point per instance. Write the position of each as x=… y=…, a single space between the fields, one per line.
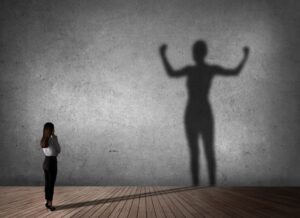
x=199 y=51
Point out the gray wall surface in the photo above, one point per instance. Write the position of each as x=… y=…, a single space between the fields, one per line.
x=93 y=69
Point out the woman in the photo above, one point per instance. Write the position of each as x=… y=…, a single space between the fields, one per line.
x=51 y=149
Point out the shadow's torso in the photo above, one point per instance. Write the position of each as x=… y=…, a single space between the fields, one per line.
x=198 y=114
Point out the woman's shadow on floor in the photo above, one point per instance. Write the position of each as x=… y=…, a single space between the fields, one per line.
x=199 y=119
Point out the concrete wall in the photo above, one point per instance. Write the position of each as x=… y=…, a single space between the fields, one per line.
x=94 y=70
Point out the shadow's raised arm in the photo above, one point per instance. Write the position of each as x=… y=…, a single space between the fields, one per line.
x=232 y=72
x=169 y=69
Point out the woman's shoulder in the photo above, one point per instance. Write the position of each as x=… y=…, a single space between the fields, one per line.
x=53 y=137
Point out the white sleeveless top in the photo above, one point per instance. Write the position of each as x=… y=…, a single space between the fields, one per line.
x=54 y=148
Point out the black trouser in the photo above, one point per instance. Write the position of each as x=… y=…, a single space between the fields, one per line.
x=50 y=171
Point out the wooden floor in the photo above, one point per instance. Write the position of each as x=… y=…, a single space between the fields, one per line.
x=151 y=201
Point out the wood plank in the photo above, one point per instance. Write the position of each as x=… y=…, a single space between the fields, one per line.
x=26 y=208
x=185 y=207
x=135 y=204
x=149 y=201
x=128 y=204
x=150 y=211
x=121 y=204
x=69 y=205
x=60 y=198
x=172 y=204
x=142 y=212
x=199 y=206
x=167 y=211
x=211 y=205
x=156 y=205
x=102 y=201
x=104 y=192
x=248 y=203
x=273 y=195
x=18 y=201
x=84 y=204
x=114 y=202
x=107 y=202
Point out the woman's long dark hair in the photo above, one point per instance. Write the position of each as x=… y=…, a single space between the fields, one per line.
x=47 y=131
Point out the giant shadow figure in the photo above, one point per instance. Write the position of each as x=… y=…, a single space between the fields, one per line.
x=198 y=114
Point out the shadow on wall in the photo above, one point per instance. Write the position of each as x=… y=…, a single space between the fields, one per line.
x=199 y=118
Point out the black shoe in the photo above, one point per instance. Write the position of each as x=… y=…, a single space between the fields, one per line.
x=50 y=207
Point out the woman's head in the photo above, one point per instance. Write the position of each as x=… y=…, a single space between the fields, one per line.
x=47 y=132
x=49 y=127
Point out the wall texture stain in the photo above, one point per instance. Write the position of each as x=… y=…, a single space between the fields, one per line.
x=93 y=69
